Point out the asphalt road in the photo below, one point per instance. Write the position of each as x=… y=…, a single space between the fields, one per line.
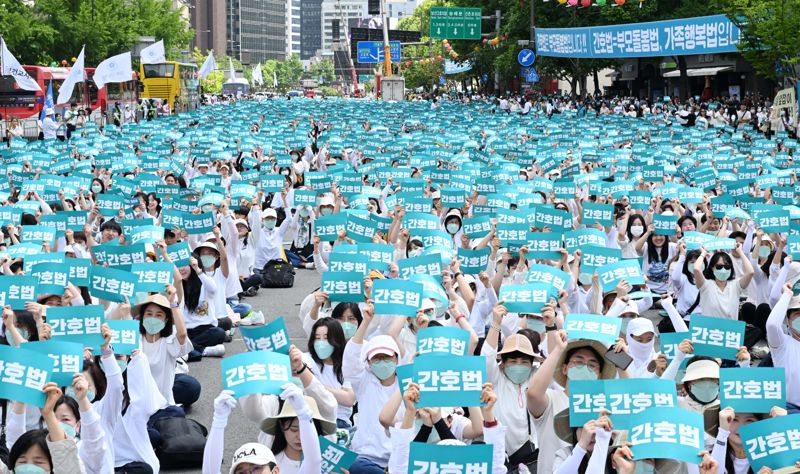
x=273 y=303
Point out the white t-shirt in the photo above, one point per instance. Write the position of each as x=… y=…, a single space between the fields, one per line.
x=162 y=355
x=328 y=378
x=549 y=442
x=287 y=465
x=720 y=303
x=787 y=355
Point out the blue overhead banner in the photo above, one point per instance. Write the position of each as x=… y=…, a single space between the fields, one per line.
x=701 y=35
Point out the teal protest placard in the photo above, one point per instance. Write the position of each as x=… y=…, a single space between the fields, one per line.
x=272 y=183
x=79 y=324
x=669 y=342
x=416 y=220
x=528 y=298
x=36 y=234
x=304 y=197
x=593 y=213
x=109 y=204
x=665 y=224
x=79 y=271
x=112 y=284
x=396 y=297
x=593 y=257
x=17 y=290
x=129 y=226
x=714 y=244
x=793 y=246
x=476 y=226
x=328 y=227
x=447 y=380
x=256 y=372
x=149 y=234
x=346 y=262
x=435 y=238
x=343 y=286
x=271 y=337
x=624 y=398
x=196 y=224
x=179 y=253
x=667 y=433
x=593 y=326
x=752 y=390
x=716 y=337
x=153 y=276
x=554 y=219
x=360 y=230
x=776 y=221
x=335 y=458
x=24 y=373
x=428 y=458
x=442 y=341
x=611 y=274
x=65 y=220
x=580 y=238
x=473 y=262
x=67 y=358
x=124 y=336
x=172 y=218
x=53 y=277
x=405 y=375
x=547 y=275
x=424 y=264
x=640 y=199
x=379 y=256
x=545 y=245
x=122 y=256
x=772 y=442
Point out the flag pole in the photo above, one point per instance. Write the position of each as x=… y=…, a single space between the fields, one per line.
x=5 y=104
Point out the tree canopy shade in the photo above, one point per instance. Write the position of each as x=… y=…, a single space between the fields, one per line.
x=55 y=30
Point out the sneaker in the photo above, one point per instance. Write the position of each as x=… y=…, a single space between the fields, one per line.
x=252 y=291
x=309 y=265
x=214 y=351
x=181 y=367
x=253 y=318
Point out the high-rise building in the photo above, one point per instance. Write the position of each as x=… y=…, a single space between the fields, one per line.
x=208 y=19
x=294 y=25
x=343 y=11
x=257 y=29
x=311 y=28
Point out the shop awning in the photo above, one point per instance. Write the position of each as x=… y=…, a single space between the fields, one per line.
x=700 y=71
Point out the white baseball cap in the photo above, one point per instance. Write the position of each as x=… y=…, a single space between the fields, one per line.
x=253 y=453
x=270 y=212
x=382 y=344
x=640 y=326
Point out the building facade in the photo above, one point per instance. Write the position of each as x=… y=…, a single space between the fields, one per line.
x=257 y=29
x=342 y=10
x=310 y=27
x=208 y=19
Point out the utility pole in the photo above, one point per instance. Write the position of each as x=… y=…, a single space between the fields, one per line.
x=387 y=50
x=497 y=18
x=533 y=26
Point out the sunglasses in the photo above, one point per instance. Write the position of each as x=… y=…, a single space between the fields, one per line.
x=720 y=267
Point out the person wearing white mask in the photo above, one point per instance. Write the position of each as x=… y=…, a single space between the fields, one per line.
x=632 y=227
x=640 y=337
x=268 y=237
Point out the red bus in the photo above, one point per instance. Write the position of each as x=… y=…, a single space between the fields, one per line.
x=27 y=105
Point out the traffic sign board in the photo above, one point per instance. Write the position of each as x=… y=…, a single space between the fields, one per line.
x=529 y=74
x=372 y=51
x=456 y=23
x=526 y=57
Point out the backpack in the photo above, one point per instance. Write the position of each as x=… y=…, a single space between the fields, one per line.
x=277 y=274
x=182 y=442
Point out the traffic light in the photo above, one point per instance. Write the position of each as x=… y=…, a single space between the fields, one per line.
x=374 y=7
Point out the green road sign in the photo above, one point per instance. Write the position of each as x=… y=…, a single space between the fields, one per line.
x=456 y=23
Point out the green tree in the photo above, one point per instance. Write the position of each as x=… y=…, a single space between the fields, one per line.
x=322 y=71
x=769 y=34
x=213 y=83
x=28 y=38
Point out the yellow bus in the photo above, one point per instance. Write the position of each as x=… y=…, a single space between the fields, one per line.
x=173 y=81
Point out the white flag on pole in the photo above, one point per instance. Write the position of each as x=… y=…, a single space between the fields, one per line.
x=258 y=77
x=208 y=66
x=114 y=69
x=274 y=79
x=154 y=54
x=232 y=71
x=12 y=67
x=75 y=76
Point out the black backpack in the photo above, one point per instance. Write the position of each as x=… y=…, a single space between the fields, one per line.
x=277 y=274
x=182 y=442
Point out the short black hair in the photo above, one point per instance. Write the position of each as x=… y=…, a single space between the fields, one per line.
x=25 y=442
x=111 y=225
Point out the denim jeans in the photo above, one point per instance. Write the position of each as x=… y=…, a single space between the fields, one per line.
x=363 y=465
x=202 y=337
x=239 y=308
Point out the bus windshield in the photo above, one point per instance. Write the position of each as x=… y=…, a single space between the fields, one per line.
x=159 y=70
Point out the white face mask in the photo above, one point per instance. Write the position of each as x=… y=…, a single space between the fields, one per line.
x=637 y=230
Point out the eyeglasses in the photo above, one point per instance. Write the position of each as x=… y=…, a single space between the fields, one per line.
x=720 y=267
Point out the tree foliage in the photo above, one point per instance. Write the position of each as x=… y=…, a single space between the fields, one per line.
x=322 y=71
x=48 y=30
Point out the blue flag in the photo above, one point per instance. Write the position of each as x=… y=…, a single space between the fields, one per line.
x=48 y=101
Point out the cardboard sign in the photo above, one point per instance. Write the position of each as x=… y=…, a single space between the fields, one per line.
x=716 y=337
x=667 y=433
x=752 y=390
x=624 y=398
x=442 y=341
x=256 y=372
x=271 y=337
x=397 y=297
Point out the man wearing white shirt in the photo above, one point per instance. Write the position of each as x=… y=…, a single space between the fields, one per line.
x=49 y=125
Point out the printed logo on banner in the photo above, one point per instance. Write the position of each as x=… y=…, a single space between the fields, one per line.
x=271 y=337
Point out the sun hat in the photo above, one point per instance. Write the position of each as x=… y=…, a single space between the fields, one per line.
x=242 y=222
x=382 y=344
x=701 y=369
x=157 y=299
x=270 y=425
x=517 y=343
x=206 y=245
x=607 y=370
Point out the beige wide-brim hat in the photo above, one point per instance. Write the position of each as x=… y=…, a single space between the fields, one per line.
x=271 y=425
x=157 y=299
x=607 y=372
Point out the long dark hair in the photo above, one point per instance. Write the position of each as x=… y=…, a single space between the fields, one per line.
x=634 y=218
x=689 y=272
x=768 y=263
x=279 y=443
x=335 y=338
x=191 y=289
x=339 y=309
x=654 y=254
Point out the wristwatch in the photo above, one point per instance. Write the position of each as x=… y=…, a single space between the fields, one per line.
x=305 y=366
x=551 y=328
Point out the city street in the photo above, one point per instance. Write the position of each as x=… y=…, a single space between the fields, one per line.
x=274 y=303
